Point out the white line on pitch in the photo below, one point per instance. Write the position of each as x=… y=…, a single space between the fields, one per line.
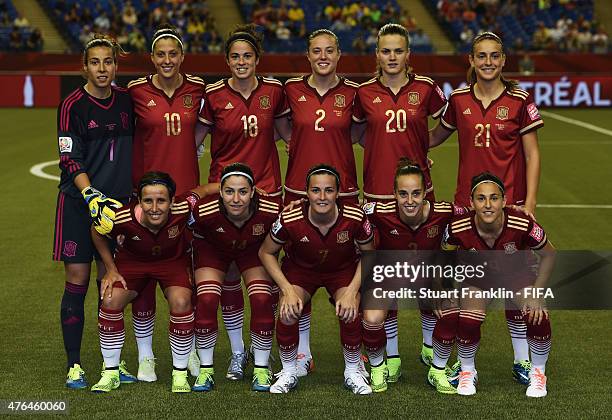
x=37 y=170
x=575 y=206
x=576 y=122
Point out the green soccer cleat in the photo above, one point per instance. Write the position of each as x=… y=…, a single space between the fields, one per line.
x=437 y=378
x=394 y=369
x=76 y=378
x=520 y=371
x=109 y=381
x=452 y=373
x=125 y=377
x=262 y=380
x=205 y=381
x=146 y=370
x=426 y=355
x=378 y=378
x=179 y=381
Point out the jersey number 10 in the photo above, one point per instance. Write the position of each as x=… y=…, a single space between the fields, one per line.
x=173 y=123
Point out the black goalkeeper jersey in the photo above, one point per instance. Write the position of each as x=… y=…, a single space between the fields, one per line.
x=95 y=137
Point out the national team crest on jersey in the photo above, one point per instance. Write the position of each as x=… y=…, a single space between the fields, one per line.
x=510 y=248
x=173 y=232
x=342 y=237
x=70 y=248
x=188 y=101
x=413 y=98
x=264 y=102
x=339 y=101
x=433 y=231
x=65 y=144
x=125 y=120
x=502 y=113
x=258 y=229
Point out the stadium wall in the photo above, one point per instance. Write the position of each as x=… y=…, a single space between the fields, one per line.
x=562 y=80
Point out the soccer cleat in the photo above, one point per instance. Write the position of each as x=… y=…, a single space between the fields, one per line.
x=437 y=378
x=467 y=382
x=356 y=383
x=305 y=365
x=146 y=370
x=262 y=379
x=194 y=363
x=426 y=355
x=76 y=378
x=238 y=363
x=125 y=377
x=205 y=381
x=109 y=381
x=378 y=378
x=520 y=371
x=361 y=366
x=537 y=384
x=180 y=384
x=285 y=382
x=394 y=369
x=452 y=373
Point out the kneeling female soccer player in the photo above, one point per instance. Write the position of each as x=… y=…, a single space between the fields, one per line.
x=319 y=238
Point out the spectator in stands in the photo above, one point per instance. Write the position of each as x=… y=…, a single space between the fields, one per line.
x=359 y=46
x=195 y=26
x=128 y=15
x=466 y=35
x=518 y=45
x=137 y=41
x=15 y=40
x=295 y=13
x=282 y=32
x=600 y=41
x=196 y=45
x=34 y=41
x=584 y=38
x=21 y=21
x=332 y=11
x=123 y=39
x=420 y=40
x=215 y=43
x=407 y=21
x=526 y=65
x=375 y=15
x=540 y=38
x=102 y=22
x=371 y=39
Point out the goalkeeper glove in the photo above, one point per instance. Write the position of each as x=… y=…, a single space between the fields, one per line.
x=98 y=202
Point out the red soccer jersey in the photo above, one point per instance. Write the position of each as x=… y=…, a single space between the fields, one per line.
x=165 y=130
x=321 y=133
x=243 y=129
x=307 y=249
x=397 y=127
x=490 y=139
x=212 y=224
x=139 y=244
x=396 y=235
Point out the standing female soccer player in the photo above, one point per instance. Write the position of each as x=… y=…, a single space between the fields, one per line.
x=492 y=227
x=94 y=127
x=152 y=249
x=321 y=108
x=496 y=123
x=230 y=228
x=320 y=238
x=166 y=106
x=410 y=222
x=396 y=106
x=241 y=114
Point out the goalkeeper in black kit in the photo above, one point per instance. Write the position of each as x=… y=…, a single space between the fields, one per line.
x=95 y=130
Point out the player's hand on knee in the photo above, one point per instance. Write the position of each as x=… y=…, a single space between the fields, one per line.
x=347 y=306
x=290 y=305
x=108 y=281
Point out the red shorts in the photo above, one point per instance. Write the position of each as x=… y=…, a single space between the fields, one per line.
x=291 y=196
x=311 y=280
x=166 y=273
x=207 y=255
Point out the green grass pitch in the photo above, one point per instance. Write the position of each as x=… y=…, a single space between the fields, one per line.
x=575 y=170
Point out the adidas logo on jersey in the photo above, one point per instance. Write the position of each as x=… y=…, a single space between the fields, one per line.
x=302 y=99
x=376 y=100
x=467 y=112
x=151 y=103
x=220 y=229
x=92 y=124
x=229 y=106
x=394 y=232
x=304 y=239
x=136 y=238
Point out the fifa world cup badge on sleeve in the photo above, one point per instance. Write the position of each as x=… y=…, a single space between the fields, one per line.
x=65 y=144
x=276 y=226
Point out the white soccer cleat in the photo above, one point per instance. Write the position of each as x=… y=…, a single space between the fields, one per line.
x=146 y=370
x=194 y=363
x=285 y=382
x=305 y=365
x=537 y=384
x=467 y=382
x=361 y=367
x=354 y=381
